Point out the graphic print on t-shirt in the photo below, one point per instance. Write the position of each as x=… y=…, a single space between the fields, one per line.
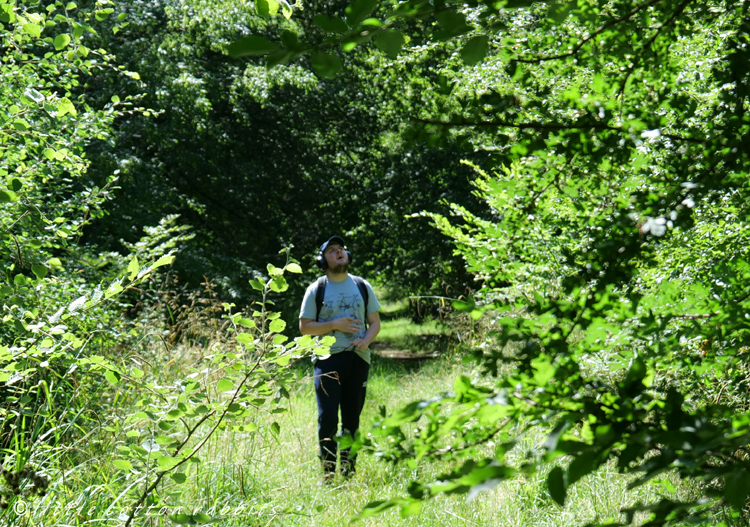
x=346 y=306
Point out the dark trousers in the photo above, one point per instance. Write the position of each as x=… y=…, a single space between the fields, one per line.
x=340 y=382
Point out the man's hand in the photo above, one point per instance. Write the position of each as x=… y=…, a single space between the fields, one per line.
x=360 y=343
x=347 y=324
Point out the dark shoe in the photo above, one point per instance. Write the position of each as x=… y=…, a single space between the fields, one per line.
x=329 y=472
x=326 y=480
x=348 y=468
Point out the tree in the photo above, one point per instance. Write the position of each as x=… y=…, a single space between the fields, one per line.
x=623 y=131
x=255 y=159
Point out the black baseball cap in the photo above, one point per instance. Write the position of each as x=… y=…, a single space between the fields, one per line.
x=333 y=239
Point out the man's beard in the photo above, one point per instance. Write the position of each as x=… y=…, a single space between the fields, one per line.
x=339 y=268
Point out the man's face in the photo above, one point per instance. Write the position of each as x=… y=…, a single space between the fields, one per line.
x=336 y=257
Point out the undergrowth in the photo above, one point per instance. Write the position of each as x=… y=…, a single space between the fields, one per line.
x=270 y=476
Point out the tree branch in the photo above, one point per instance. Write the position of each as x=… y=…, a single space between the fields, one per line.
x=543 y=126
x=650 y=41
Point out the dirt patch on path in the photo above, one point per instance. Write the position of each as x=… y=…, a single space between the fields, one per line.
x=382 y=349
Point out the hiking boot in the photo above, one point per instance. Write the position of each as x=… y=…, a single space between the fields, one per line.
x=348 y=467
x=329 y=472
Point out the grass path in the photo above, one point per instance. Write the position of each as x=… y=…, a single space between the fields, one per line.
x=273 y=481
x=265 y=479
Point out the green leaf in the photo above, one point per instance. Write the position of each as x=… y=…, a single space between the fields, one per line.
x=103 y=14
x=178 y=477
x=277 y=326
x=411 y=508
x=121 y=464
x=273 y=270
x=390 y=42
x=7 y=196
x=251 y=45
x=133 y=268
x=511 y=4
x=62 y=41
x=113 y=289
x=181 y=519
x=34 y=95
x=280 y=57
x=325 y=65
x=257 y=285
x=475 y=50
x=224 y=385
x=330 y=25
x=736 y=489
x=293 y=268
x=559 y=10
x=284 y=360
x=65 y=106
x=112 y=377
x=266 y=8
x=16 y=184
x=556 y=485
x=599 y=83
x=21 y=125
x=358 y=10
x=164 y=260
x=32 y=29
x=279 y=284
x=246 y=322
x=39 y=270
x=291 y=41
x=453 y=24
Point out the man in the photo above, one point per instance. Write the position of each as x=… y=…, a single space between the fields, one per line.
x=337 y=304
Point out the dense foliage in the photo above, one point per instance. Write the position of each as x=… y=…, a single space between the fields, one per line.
x=619 y=193
x=601 y=206
x=256 y=159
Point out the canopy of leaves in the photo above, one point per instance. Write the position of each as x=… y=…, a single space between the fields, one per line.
x=255 y=159
x=618 y=185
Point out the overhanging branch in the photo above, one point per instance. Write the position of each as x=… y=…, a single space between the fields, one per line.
x=545 y=127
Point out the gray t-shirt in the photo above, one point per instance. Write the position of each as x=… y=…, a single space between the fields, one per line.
x=342 y=299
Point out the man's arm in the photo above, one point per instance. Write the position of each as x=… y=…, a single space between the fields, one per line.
x=373 y=320
x=308 y=326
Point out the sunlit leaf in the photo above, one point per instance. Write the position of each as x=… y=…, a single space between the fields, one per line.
x=61 y=41
x=266 y=8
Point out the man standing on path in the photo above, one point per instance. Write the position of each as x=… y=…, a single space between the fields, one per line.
x=338 y=304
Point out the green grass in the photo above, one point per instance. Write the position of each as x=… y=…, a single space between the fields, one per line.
x=264 y=480
x=404 y=329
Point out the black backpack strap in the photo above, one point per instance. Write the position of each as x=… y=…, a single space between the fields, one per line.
x=364 y=292
x=320 y=294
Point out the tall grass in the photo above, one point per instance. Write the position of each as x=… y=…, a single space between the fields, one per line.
x=272 y=480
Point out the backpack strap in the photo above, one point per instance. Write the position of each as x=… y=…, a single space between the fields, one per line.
x=364 y=292
x=320 y=294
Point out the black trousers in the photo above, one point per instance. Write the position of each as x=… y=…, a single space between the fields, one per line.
x=340 y=382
